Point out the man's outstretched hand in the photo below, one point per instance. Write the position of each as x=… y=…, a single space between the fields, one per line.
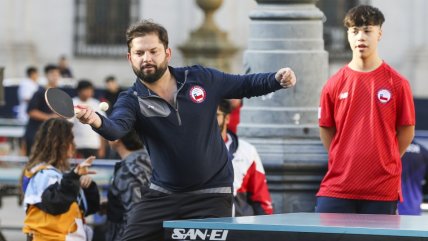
x=286 y=77
x=88 y=116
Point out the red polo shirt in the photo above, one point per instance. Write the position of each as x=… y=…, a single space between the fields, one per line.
x=366 y=108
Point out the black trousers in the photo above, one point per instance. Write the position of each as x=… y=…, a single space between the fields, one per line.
x=340 y=205
x=146 y=217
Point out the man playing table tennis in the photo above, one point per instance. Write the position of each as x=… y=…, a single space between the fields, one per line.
x=174 y=111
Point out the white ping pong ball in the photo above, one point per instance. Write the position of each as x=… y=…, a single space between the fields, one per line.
x=104 y=106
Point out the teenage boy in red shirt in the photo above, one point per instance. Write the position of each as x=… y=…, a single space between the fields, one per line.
x=366 y=120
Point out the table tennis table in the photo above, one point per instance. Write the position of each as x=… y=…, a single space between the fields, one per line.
x=301 y=227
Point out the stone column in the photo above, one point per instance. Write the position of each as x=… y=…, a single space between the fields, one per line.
x=2 y=99
x=283 y=125
x=208 y=45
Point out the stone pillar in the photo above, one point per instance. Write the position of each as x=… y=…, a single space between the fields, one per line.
x=283 y=125
x=2 y=99
x=419 y=71
x=208 y=45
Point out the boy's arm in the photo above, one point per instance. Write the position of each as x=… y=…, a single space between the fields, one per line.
x=405 y=126
x=40 y=115
x=327 y=135
x=34 y=111
x=405 y=136
x=102 y=149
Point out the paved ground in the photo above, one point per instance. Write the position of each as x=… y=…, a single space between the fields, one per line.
x=11 y=215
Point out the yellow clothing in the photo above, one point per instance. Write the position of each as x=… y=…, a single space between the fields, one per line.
x=43 y=226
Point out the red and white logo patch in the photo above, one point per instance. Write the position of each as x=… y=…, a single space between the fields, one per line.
x=384 y=95
x=197 y=94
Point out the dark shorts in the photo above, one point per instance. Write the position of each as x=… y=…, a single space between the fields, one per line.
x=146 y=218
x=339 y=205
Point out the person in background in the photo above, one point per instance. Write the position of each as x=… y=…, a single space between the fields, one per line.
x=251 y=193
x=112 y=92
x=38 y=111
x=88 y=142
x=367 y=121
x=64 y=68
x=130 y=177
x=235 y=115
x=26 y=89
x=415 y=167
x=57 y=199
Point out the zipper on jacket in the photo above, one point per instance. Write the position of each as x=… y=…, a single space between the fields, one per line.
x=175 y=98
x=178 y=117
x=177 y=113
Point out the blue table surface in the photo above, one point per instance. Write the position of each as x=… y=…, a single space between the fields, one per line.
x=389 y=225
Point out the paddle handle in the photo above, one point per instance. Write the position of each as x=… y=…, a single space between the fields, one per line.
x=76 y=110
x=103 y=106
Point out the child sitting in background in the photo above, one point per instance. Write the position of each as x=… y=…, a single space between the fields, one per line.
x=56 y=199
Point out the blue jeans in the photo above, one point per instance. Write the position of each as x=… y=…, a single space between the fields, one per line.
x=340 y=205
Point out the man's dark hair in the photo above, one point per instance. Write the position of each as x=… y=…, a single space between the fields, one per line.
x=84 y=84
x=50 y=67
x=363 y=15
x=143 y=28
x=132 y=141
x=225 y=106
x=31 y=70
x=110 y=78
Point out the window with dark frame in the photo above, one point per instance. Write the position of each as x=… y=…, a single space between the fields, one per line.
x=335 y=37
x=100 y=26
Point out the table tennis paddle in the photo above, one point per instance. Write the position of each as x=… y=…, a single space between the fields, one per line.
x=60 y=103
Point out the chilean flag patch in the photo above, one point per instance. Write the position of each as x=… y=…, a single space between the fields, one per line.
x=197 y=94
x=384 y=95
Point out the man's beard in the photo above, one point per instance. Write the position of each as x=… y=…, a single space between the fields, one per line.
x=151 y=78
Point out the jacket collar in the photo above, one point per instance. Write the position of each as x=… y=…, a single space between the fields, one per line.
x=143 y=91
x=233 y=138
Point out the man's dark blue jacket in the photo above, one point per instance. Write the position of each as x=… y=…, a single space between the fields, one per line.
x=184 y=140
